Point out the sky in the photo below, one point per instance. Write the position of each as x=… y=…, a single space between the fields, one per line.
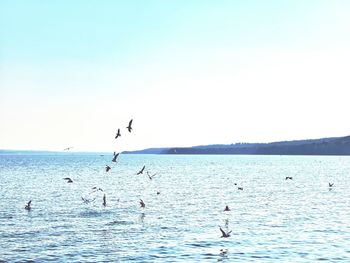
x=188 y=72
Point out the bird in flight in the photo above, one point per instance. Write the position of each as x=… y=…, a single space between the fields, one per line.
x=115 y=156
x=129 y=126
x=69 y=180
x=108 y=168
x=227 y=208
x=289 y=177
x=28 y=207
x=225 y=234
x=68 y=148
x=330 y=185
x=142 y=204
x=150 y=176
x=104 y=200
x=240 y=188
x=118 y=134
x=96 y=189
x=141 y=171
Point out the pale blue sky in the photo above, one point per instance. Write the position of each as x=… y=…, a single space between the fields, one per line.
x=188 y=72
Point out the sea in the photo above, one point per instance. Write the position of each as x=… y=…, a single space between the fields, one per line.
x=272 y=219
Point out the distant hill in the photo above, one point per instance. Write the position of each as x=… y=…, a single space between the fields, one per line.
x=324 y=146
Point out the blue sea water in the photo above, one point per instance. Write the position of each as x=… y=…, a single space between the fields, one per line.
x=272 y=219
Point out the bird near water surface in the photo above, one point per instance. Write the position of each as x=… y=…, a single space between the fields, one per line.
x=28 y=206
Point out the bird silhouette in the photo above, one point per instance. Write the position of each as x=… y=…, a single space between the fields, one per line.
x=330 y=184
x=227 y=208
x=118 y=134
x=69 y=180
x=225 y=234
x=141 y=171
x=28 y=206
x=108 y=168
x=129 y=126
x=240 y=188
x=289 y=178
x=115 y=156
x=142 y=204
x=68 y=148
x=150 y=176
x=104 y=200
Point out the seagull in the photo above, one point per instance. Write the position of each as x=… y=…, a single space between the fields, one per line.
x=96 y=189
x=240 y=188
x=150 y=176
x=108 y=168
x=28 y=207
x=141 y=171
x=69 y=180
x=129 y=126
x=118 y=134
x=224 y=234
x=142 y=204
x=289 y=177
x=104 y=200
x=68 y=148
x=115 y=156
x=227 y=208
x=330 y=185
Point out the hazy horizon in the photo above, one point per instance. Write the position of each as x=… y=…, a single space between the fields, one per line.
x=187 y=72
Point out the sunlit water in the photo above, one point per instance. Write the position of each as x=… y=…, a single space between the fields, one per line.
x=272 y=219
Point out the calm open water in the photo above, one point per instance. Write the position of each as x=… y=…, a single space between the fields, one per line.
x=272 y=219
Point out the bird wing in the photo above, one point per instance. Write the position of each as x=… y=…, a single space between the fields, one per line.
x=67 y=178
x=223 y=232
x=130 y=122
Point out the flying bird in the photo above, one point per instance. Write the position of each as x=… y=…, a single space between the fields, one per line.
x=28 y=206
x=118 y=134
x=240 y=188
x=69 y=180
x=289 y=177
x=104 y=200
x=96 y=189
x=142 y=204
x=225 y=234
x=68 y=148
x=330 y=185
x=227 y=208
x=129 y=126
x=150 y=176
x=108 y=168
x=115 y=156
x=141 y=171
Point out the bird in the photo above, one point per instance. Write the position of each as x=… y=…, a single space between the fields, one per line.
x=227 y=208
x=115 y=156
x=150 y=176
x=142 y=204
x=129 y=126
x=104 y=200
x=118 y=134
x=108 y=168
x=28 y=206
x=225 y=234
x=68 y=148
x=240 y=188
x=330 y=184
x=158 y=193
x=289 y=177
x=95 y=188
x=141 y=171
x=69 y=180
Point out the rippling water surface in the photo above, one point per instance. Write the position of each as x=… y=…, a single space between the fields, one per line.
x=272 y=219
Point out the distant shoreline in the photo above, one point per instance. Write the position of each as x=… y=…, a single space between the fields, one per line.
x=323 y=146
